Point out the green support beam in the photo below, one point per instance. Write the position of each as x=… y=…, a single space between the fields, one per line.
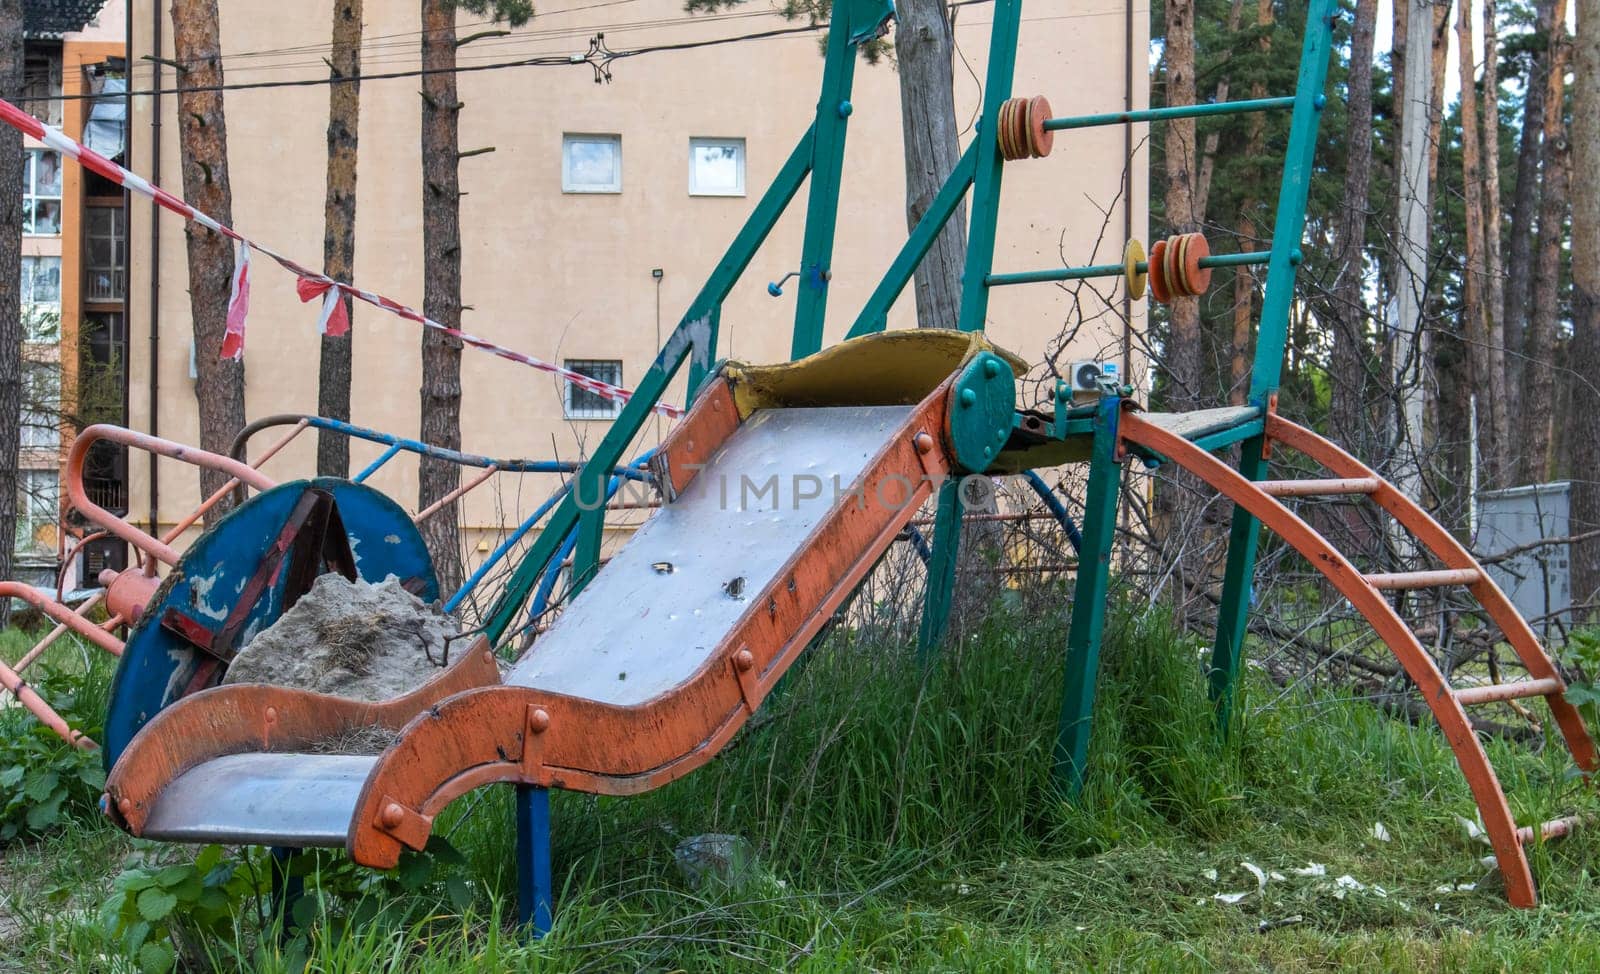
x=986 y=180
x=941 y=570
x=1085 y=631
x=974 y=292
x=822 y=204
x=707 y=305
x=1290 y=224
x=1233 y=613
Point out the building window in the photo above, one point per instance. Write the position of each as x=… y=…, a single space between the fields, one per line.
x=41 y=193
x=41 y=405
x=41 y=85
x=583 y=404
x=38 y=501
x=105 y=245
x=41 y=298
x=591 y=163
x=716 y=167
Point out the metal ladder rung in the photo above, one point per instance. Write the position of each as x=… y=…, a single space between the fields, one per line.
x=1320 y=488
x=1428 y=579
x=1553 y=829
x=1497 y=692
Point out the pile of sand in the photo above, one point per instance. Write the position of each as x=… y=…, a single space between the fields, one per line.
x=350 y=639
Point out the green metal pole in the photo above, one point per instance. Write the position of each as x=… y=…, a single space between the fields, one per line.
x=874 y=315
x=974 y=297
x=1177 y=111
x=822 y=205
x=1290 y=223
x=707 y=305
x=1233 y=614
x=1117 y=270
x=1089 y=601
x=941 y=570
x=986 y=181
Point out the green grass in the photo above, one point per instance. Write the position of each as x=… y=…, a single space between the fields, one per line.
x=904 y=821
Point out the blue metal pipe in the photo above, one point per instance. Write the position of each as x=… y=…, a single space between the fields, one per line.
x=1057 y=508
x=398 y=443
x=505 y=546
x=372 y=467
x=618 y=474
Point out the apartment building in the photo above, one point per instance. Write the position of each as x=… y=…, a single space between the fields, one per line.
x=74 y=273
x=598 y=214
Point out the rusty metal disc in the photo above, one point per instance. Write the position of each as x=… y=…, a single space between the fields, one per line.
x=1019 y=128
x=1197 y=278
x=1169 y=269
x=1131 y=256
x=1006 y=130
x=1041 y=140
x=1175 y=279
x=1158 y=286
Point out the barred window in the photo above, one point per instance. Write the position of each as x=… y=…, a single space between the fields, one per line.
x=584 y=404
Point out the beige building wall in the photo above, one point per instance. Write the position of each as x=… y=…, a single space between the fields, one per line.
x=569 y=276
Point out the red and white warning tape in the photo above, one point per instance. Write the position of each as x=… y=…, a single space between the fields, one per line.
x=310 y=284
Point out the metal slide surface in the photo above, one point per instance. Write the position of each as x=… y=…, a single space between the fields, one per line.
x=659 y=608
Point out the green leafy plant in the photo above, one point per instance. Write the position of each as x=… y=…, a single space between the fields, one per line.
x=157 y=914
x=161 y=915
x=1582 y=659
x=42 y=777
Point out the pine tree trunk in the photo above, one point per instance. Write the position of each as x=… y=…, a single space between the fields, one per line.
x=1440 y=54
x=11 y=164
x=1539 y=347
x=441 y=287
x=339 y=228
x=1208 y=154
x=1487 y=382
x=923 y=48
x=1349 y=318
x=1494 y=291
x=1585 y=455
x=1524 y=206
x=203 y=151
x=1183 y=355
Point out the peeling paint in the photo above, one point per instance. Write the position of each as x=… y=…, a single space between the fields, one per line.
x=200 y=587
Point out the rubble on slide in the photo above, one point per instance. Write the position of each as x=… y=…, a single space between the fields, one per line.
x=351 y=639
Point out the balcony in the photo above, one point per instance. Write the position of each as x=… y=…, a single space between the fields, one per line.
x=105 y=285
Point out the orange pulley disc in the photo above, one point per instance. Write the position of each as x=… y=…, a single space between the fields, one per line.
x=1197 y=278
x=1041 y=140
x=1158 y=284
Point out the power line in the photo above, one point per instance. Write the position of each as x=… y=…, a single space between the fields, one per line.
x=325 y=47
x=403 y=46
x=598 y=57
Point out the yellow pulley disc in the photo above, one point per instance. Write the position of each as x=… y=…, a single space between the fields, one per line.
x=1132 y=256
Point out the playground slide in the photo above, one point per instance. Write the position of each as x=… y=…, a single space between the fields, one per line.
x=782 y=488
